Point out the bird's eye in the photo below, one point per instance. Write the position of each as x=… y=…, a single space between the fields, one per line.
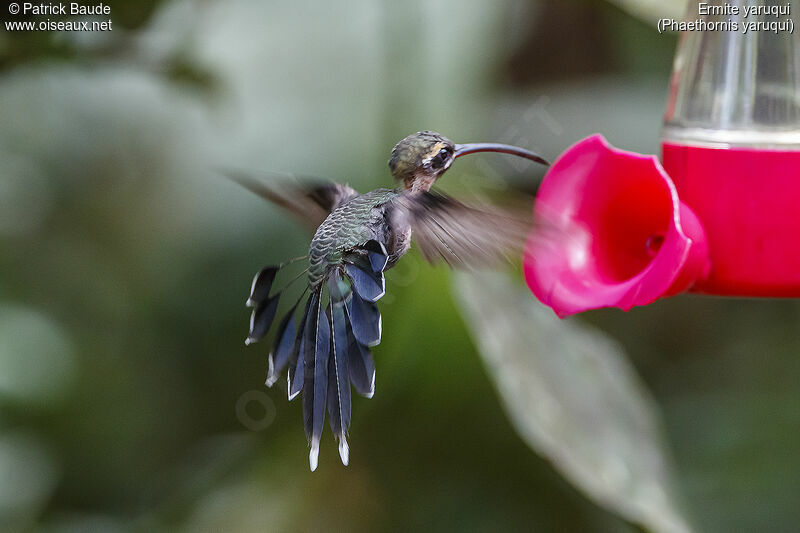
x=440 y=159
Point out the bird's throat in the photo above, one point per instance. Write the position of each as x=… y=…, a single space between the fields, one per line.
x=420 y=182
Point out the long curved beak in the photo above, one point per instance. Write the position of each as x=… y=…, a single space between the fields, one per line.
x=471 y=148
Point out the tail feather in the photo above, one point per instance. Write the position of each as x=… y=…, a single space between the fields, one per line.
x=317 y=350
x=262 y=284
x=361 y=366
x=378 y=257
x=264 y=306
x=371 y=286
x=262 y=318
x=339 y=402
x=327 y=349
x=336 y=384
x=296 y=373
x=365 y=320
x=284 y=343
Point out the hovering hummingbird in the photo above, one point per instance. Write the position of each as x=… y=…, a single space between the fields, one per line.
x=357 y=238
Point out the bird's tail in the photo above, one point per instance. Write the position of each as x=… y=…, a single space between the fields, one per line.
x=327 y=349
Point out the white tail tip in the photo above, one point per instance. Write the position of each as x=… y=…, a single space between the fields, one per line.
x=271 y=376
x=289 y=388
x=344 y=450
x=313 y=456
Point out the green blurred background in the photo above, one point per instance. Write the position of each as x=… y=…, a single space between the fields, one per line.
x=128 y=401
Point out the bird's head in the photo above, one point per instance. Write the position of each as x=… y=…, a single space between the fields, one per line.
x=421 y=158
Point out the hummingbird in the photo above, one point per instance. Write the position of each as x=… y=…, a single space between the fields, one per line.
x=325 y=348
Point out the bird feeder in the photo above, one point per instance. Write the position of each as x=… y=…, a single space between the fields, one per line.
x=718 y=215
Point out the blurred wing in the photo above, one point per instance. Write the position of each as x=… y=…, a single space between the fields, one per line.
x=461 y=235
x=309 y=201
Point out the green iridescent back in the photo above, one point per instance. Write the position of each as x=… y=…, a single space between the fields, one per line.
x=351 y=224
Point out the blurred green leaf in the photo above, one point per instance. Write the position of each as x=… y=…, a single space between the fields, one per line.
x=29 y=473
x=574 y=399
x=36 y=356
